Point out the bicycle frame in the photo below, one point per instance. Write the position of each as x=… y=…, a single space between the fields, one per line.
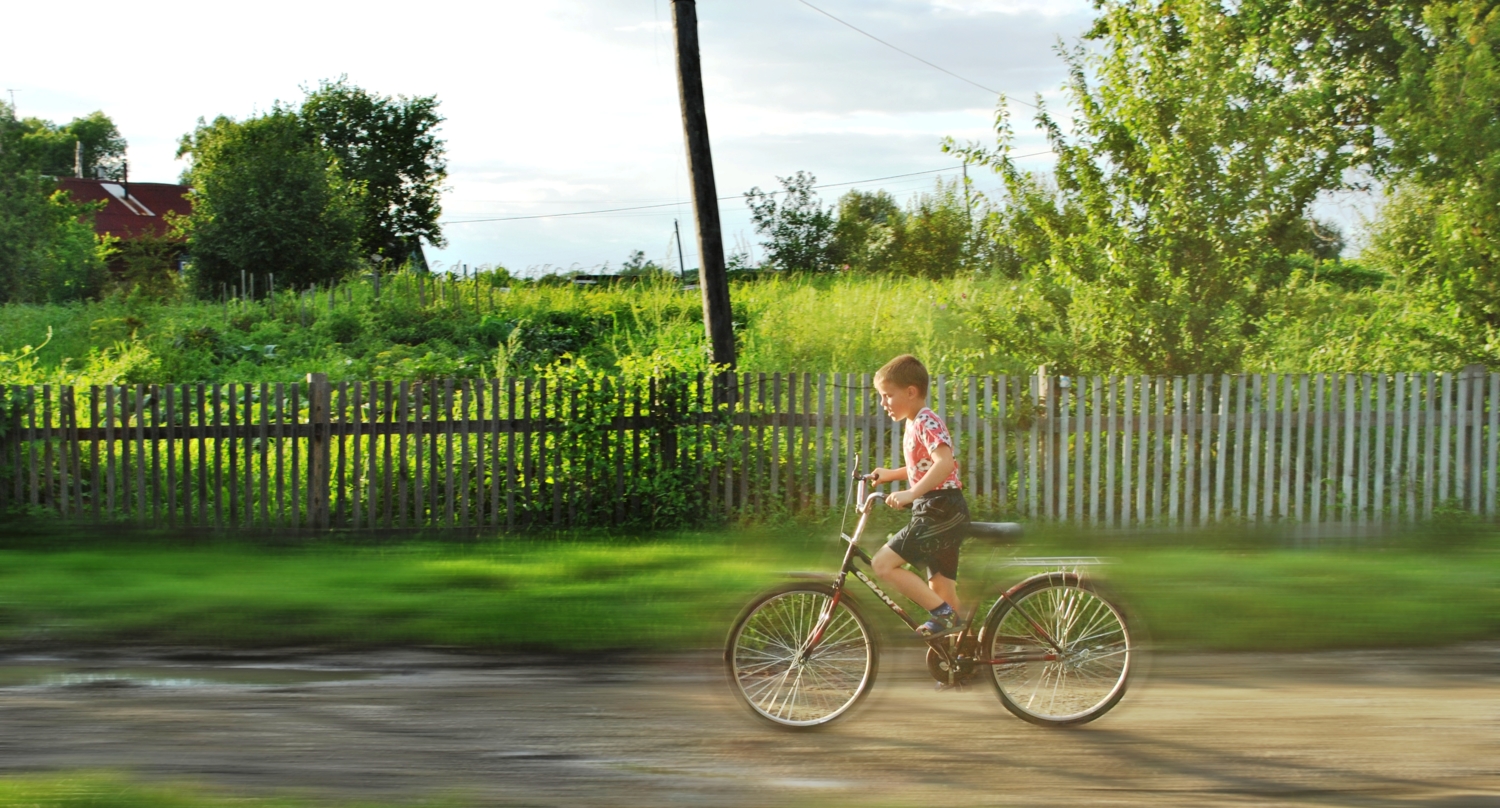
x=952 y=651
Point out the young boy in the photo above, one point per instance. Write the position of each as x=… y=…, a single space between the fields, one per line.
x=939 y=515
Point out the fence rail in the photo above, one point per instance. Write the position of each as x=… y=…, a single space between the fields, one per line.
x=1111 y=450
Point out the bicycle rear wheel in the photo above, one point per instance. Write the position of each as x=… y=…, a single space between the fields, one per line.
x=1075 y=677
x=775 y=673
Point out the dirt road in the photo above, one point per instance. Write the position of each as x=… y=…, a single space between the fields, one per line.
x=1399 y=729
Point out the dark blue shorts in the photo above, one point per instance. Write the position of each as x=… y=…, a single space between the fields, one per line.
x=939 y=524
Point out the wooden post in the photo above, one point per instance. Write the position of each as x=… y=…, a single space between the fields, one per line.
x=712 y=279
x=318 y=449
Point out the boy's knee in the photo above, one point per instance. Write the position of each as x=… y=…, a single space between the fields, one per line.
x=885 y=562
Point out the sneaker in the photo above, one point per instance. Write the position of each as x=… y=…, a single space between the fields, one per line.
x=941 y=626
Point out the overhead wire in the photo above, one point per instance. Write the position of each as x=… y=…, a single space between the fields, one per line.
x=720 y=199
x=857 y=29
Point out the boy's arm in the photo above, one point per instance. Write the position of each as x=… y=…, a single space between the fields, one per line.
x=882 y=476
x=942 y=466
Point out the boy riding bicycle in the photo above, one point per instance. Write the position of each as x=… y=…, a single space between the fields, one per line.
x=940 y=516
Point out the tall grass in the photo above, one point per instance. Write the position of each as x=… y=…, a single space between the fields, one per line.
x=417 y=328
x=428 y=327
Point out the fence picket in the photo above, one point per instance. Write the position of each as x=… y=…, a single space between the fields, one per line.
x=1002 y=452
x=1268 y=479
x=792 y=431
x=1096 y=439
x=1475 y=424
x=109 y=453
x=1333 y=508
x=1252 y=495
x=1080 y=399
x=971 y=472
x=1494 y=444
x=1398 y=483
x=774 y=454
x=1445 y=438
x=263 y=453
x=1127 y=451
x=1460 y=435
x=1176 y=481
x=1057 y=448
x=1378 y=434
x=171 y=453
x=1299 y=477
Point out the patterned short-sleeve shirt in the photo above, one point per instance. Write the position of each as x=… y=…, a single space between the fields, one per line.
x=923 y=435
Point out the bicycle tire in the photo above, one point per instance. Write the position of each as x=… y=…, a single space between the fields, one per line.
x=1090 y=666
x=770 y=674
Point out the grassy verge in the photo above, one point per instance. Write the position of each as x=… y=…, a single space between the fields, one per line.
x=680 y=591
x=106 y=790
x=559 y=595
x=1306 y=600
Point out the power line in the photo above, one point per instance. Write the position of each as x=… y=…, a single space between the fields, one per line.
x=720 y=199
x=912 y=55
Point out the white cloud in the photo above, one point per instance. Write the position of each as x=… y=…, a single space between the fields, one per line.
x=572 y=101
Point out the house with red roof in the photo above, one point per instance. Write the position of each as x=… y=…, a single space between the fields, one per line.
x=131 y=211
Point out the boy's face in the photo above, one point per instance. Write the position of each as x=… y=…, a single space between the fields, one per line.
x=900 y=403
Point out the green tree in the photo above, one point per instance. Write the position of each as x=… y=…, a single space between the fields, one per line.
x=268 y=198
x=48 y=251
x=865 y=229
x=936 y=235
x=638 y=265
x=1440 y=229
x=391 y=147
x=1199 y=144
x=56 y=150
x=798 y=230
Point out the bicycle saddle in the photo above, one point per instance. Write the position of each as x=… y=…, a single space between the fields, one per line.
x=995 y=531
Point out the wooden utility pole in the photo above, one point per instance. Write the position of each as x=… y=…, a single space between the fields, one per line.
x=711 y=277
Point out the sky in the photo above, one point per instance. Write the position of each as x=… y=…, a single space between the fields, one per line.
x=568 y=106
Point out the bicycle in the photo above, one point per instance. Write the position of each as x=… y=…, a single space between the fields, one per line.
x=1057 y=652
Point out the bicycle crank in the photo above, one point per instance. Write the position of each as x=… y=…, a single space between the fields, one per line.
x=949 y=670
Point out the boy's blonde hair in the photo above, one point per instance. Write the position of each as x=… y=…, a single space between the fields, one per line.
x=905 y=371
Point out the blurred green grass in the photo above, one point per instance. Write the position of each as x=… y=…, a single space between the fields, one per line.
x=1304 y=600
x=92 y=789
x=562 y=595
x=679 y=591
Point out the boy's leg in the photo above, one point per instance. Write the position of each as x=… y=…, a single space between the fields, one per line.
x=887 y=564
x=947 y=589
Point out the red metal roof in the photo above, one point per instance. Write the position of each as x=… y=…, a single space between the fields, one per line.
x=131 y=209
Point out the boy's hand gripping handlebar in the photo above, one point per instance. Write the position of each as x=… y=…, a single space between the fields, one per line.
x=867 y=500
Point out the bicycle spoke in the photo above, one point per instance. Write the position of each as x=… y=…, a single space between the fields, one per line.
x=1085 y=640
x=782 y=679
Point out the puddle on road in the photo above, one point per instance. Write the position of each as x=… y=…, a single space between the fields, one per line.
x=54 y=674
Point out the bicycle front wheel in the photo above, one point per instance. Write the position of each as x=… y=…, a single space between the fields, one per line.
x=785 y=671
x=1058 y=652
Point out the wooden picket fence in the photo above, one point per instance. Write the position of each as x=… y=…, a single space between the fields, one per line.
x=1307 y=449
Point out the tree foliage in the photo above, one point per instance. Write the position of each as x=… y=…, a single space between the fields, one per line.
x=1199 y=143
x=1440 y=230
x=798 y=230
x=389 y=146
x=48 y=251
x=92 y=143
x=268 y=197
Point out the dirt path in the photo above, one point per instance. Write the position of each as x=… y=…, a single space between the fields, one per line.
x=1398 y=729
